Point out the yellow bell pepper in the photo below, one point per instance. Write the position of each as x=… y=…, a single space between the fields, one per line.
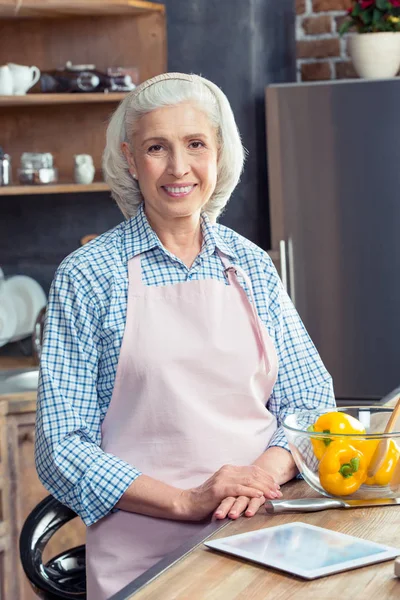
x=342 y=469
x=384 y=474
x=367 y=447
x=333 y=422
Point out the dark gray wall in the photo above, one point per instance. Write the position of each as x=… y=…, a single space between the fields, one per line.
x=241 y=45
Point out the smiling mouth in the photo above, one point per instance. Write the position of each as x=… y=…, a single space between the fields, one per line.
x=178 y=191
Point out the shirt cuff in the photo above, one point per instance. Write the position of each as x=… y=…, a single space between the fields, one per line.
x=98 y=492
x=279 y=439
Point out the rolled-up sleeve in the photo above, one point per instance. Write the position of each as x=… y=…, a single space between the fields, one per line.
x=69 y=460
x=303 y=382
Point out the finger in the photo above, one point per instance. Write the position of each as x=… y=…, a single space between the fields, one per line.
x=225 y=506
x=254 y=505
x=269 y=490
x=273 y=493
x=257 y=478
x=239 y=507
x=237 y=489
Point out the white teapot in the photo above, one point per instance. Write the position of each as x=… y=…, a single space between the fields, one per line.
x=23 y=78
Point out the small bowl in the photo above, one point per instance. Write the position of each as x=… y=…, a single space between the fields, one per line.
x=301 y=441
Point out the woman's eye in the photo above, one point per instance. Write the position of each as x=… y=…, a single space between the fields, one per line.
x=155 y=148
x=197 y=144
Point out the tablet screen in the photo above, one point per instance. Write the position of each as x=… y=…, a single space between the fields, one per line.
x=304 y=550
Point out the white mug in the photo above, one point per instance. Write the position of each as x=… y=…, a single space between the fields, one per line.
x=6 y=81
x=23 y=78
x=84 y=170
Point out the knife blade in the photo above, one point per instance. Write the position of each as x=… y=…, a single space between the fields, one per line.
x=315 y=504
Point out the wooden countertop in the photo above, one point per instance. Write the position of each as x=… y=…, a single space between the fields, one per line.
x=206 y=575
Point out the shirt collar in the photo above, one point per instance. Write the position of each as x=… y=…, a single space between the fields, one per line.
x=213 y=240
x=139 y=237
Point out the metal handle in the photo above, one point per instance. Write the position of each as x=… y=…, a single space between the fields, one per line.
x=287 y=269
x=274 y=507
x=290 y=265
x=283 y=259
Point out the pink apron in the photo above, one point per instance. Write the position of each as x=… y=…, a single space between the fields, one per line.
x=195 y=371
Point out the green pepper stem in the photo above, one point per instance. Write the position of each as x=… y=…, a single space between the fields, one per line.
x=326 y=441
x=355 y=464
x=348 y=469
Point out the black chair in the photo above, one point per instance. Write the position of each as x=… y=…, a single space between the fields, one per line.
x=64 y=576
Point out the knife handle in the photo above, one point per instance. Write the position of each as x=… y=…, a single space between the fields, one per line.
x=274 y=507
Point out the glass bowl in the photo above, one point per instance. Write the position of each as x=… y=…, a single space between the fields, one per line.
x=310 y=452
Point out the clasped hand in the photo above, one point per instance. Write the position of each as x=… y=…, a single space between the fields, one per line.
x=230 y=492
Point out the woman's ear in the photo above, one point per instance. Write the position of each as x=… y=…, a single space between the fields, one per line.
x=129 y=159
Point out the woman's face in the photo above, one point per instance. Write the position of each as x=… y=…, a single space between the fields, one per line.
x=175 y=160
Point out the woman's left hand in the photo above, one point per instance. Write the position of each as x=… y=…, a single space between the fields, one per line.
x=233 y=507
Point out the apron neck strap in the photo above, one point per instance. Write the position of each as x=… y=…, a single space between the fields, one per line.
x=232 y=272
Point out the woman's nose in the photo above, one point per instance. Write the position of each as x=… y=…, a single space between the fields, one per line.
x=178 y=164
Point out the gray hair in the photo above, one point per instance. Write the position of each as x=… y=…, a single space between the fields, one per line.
x=166 y=90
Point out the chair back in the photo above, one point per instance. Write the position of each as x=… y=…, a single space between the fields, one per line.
x=64 y=576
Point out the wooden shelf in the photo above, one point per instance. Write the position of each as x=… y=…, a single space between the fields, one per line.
x=51 y=99
x=56 y=188
x=68 y=8
x=106 y=33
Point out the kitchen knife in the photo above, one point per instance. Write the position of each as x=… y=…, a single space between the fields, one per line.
x=314 y=504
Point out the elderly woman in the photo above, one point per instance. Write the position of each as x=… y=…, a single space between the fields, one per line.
x=172 y=353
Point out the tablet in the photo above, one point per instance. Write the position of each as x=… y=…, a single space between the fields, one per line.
x=304 y=550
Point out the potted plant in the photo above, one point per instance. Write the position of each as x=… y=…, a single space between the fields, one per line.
x=375 y=46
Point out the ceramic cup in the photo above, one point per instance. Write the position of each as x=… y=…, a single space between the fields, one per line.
x=84 y=169
x=6 y=81
x=23 y=78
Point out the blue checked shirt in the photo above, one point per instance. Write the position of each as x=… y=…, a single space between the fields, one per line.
x=83 y=335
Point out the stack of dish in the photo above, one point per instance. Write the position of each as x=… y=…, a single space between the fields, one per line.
x=21 y=299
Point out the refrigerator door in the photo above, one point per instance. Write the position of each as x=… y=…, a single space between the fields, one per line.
x=334 y=168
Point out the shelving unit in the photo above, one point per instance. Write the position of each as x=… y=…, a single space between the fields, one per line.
x=51 y=99
x=47 y=34
x=54 y=9
x=59 y=188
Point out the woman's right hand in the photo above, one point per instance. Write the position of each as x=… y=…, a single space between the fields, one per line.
x=229 y=481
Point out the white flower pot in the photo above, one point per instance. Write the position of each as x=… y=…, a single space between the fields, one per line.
x=375 y=55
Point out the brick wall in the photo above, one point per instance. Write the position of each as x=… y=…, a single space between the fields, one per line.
x=321 y=53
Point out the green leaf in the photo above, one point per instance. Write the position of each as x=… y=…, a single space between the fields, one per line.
x=376 y=16
x=366 y=17
x=383 y=4
x=344 y=28
x=356 y=10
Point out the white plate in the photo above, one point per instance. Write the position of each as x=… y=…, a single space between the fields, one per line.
x=8 y=319
x=29 y=298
